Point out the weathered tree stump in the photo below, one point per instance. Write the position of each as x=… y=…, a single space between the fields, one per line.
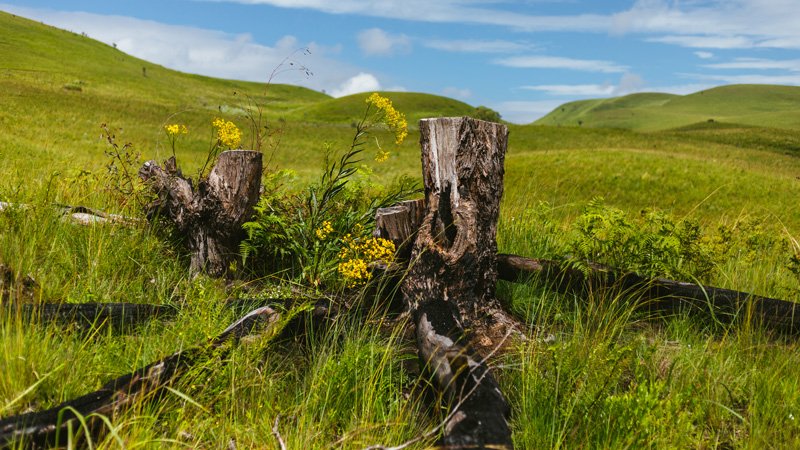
x=452 y=275
x=210 y=217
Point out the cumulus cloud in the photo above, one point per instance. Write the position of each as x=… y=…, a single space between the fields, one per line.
x=375 y=41
x=557 y=62
x=363 y=82
x=455 y=92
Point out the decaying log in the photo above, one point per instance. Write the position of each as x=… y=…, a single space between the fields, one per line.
x=15 y=287
x=399 y=224
x=80 y=215
x=88 y=315
x=659 y=294
x=49 y=428
x=211 y=215
x=451 y=281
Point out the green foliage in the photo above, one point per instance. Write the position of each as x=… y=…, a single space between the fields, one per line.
x=303 y=233
x=652 y=244
x=486 y=113
x=740 y=104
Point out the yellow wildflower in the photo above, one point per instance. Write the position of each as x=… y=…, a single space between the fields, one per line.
x=175 y=129
x=324 y=230
x=382 y=156
x=354 y=271
x=228 y=134
x=357 y=254
x=394 y=119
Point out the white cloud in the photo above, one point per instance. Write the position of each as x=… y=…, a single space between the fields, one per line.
x=363 y=82
x=375 y=41
x=574 y=90
x=557 y=62
x=792 y=65
x=208 y=52
x=455 y=92
x=523 y=112
x=704 y=55
x=446 y=11
x=750 y=79
x=692 y=23
x=477 y=46
x=628 y=83
x=720 y=42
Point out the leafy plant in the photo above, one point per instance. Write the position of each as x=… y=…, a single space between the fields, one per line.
x=652 y=244
x=121 y=178
x=303 y=233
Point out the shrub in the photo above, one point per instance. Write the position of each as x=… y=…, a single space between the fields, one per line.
x=321 y=230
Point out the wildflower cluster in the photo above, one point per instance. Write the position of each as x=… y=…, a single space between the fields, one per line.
x=324 y=230
x=175 y=129
x=394 y=119
x=228 y=134
x=357 y=253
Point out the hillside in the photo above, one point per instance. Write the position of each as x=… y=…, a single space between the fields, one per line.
x=713 y=202
x=758 y=105
x=347 y=109
x=73 y=84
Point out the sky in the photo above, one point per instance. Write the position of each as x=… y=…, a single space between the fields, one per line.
x=521 y=58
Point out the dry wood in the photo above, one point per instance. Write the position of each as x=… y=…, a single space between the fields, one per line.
x=49 y=428
x=659 y=294
x=211 y=215
x=451 y=280
x=88 y=315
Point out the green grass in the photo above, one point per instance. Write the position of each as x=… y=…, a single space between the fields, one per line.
x=595 y=374
x=759 y=105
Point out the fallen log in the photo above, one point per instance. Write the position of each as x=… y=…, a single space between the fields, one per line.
x=659 y=294
x=88 y=315
x=80 y=215
x=210 y=215
x=451 y=279
x=50 y=428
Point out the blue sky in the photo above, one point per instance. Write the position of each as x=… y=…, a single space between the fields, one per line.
x=520 y=57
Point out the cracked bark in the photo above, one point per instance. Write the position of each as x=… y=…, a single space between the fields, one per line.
x=210 y=216
x=451 y=281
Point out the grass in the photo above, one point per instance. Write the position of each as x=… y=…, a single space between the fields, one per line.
x=595 y=373
x=758 y=105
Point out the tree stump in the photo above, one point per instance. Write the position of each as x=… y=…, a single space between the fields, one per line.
x=452 y=275
x=210 y=217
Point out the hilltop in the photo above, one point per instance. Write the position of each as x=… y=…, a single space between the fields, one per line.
x=58 y=87
x=757 y=105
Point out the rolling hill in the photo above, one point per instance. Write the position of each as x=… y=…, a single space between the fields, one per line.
x=758 y=105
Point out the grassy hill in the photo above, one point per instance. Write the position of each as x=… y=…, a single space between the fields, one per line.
x=760 y=105
x=593 y=374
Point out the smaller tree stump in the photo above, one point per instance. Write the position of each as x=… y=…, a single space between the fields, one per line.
x=211 y=216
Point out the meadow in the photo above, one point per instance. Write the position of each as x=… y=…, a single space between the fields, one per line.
x=594 y=373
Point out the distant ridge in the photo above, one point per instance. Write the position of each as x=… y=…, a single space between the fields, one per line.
x=747 y=104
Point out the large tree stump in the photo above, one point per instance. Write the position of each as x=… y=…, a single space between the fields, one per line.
x=451 y=281
x=210 y=217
